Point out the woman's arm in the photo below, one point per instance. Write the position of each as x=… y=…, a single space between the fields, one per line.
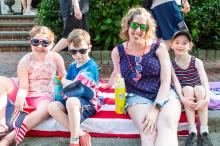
x=116 y=70
x=176 y=83
x=165 y=73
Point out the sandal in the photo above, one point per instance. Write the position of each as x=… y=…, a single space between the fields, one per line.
x=3 y=130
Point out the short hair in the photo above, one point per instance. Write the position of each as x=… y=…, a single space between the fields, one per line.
x=42 y=30
x=150 y=33
x=77 y=36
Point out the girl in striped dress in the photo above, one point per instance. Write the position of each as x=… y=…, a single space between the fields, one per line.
x=191 y=82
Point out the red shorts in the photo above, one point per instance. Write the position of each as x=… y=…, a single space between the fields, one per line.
x=31 y=101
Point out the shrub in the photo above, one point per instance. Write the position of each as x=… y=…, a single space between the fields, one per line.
x=204 y=21
x=105 y=16
x=50 y=16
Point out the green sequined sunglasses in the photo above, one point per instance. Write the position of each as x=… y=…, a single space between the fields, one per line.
x=135 y=25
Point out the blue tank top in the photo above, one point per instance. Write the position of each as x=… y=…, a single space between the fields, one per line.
x=149 y=83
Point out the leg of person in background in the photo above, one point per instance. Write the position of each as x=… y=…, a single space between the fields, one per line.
x=26 y=4
x=68 y=24
x=63 y=43
x=137 y=113
x=168 y=123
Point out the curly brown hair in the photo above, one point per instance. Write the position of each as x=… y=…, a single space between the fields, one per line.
x=150 y=33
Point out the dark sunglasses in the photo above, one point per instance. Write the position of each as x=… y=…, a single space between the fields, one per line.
x=135 y=25
x=36 y=42
x=81 y=51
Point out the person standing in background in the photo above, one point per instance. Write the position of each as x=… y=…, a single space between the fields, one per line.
x=26 y=4
x=74 y=15
x=168 y=17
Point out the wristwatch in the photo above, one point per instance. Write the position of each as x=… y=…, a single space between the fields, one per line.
x=158 y=106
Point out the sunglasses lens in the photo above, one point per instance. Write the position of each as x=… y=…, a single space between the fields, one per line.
x=134 y=25
x=45 y=43
x=143 y=27
x=73 y=52
x=35 y=42
x=83 y=51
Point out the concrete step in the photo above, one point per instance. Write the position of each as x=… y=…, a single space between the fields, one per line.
x=16 y=46
x=14 y=35
x=16 y=26
x=58 y=141
x=17 y=18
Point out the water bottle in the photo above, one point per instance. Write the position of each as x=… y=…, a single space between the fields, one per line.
x=58 y=88
x=119 y=94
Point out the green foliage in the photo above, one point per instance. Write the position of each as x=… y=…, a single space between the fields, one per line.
x=50 y=16
x=203 y=22
x=105 y=15
x=104 y=21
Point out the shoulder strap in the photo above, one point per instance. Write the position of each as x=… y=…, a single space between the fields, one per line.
x=155 y=46
x=121 y=50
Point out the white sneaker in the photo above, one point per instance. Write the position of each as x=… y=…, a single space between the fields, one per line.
x=29 y=12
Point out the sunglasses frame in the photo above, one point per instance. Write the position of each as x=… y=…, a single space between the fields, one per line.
x=40 y=41
x=135 y=25
x=80 y=50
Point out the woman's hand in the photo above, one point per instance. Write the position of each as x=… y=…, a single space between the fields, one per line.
x=150 y=122
x=201 y=104
x=188 y=103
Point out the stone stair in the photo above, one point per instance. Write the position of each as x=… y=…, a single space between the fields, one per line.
x=14 y=32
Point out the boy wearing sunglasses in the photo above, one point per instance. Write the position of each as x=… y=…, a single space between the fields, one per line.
x=82 y=76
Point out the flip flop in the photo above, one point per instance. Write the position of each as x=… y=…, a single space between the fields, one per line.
x=3 y=130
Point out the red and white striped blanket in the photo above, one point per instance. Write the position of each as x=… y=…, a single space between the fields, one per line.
x=106 y=123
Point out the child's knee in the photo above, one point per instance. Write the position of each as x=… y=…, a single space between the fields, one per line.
x=199 y=92
x=188 y=91
x=54 y=107
x=73 y=103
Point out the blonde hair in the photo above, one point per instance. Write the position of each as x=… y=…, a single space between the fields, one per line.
x=42 y=30
x=128 y=18
x=78 y=36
